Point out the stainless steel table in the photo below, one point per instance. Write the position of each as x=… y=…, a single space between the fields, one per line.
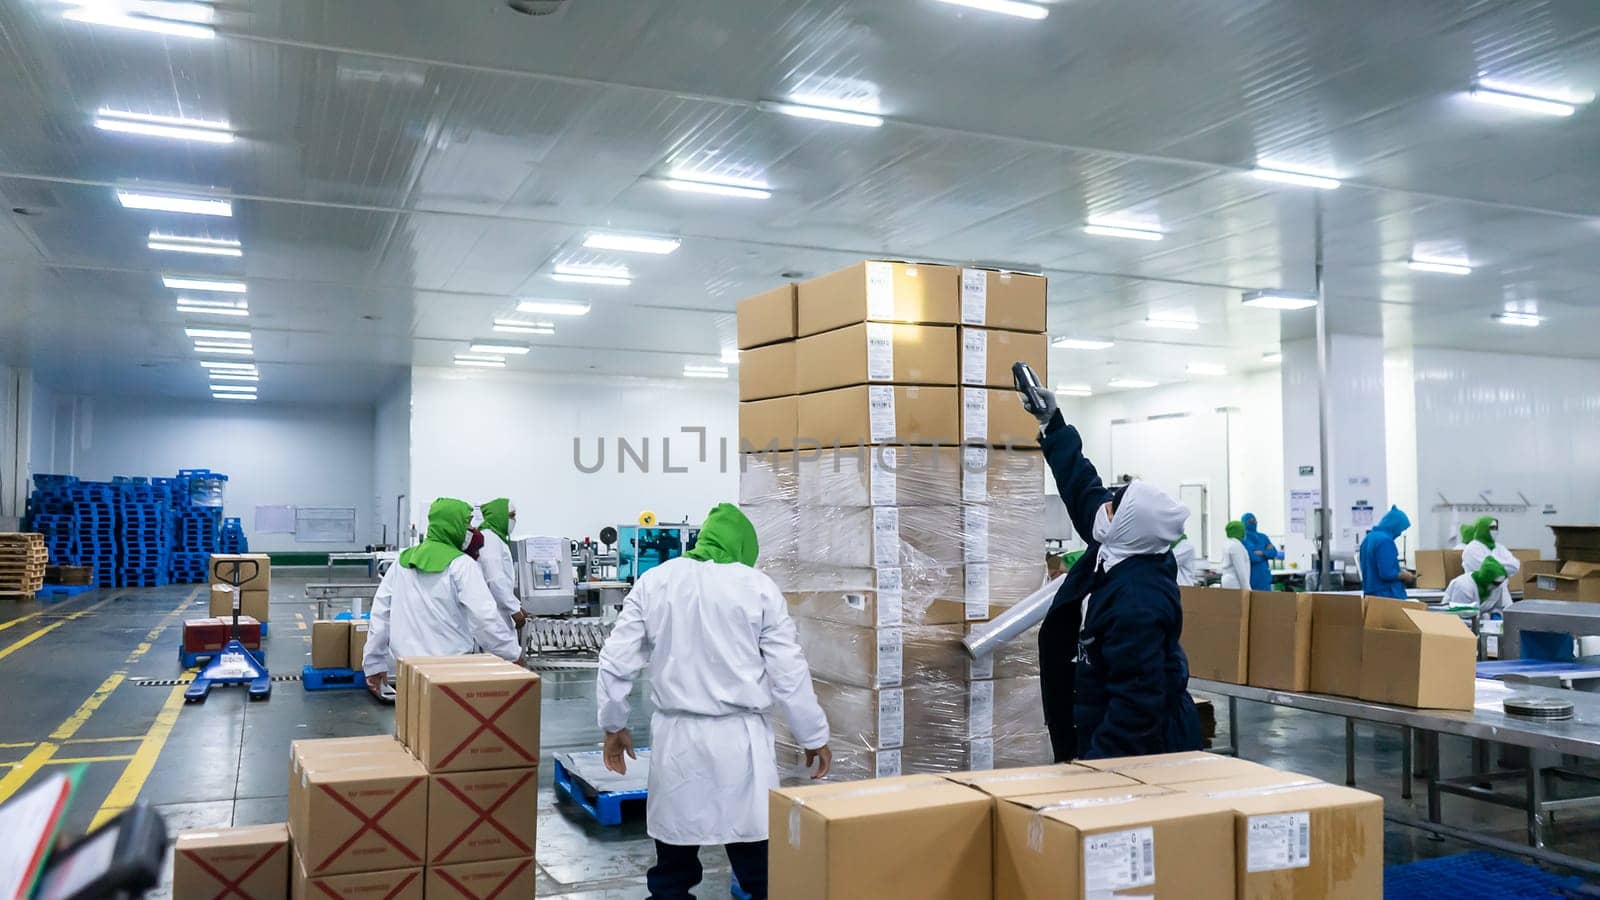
x=1560 y=616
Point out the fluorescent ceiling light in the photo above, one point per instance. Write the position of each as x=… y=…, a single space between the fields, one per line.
x=168 y=203
x=478 y=363
x=631 y=243
x=226 y=333
x=1104 y=229
x=1442 y=266
x=229 y=376
x=1272 y=356
x=615 y=276
x=1281 y=300
x=185 y=306
x=697 y=370
x=1004 y=7
x=1526 y=320
x=1069 y=343
x=492 y=348
x=1523 y=102
x=1172 y=324
x=234 y=388
x=1294 y=175
x=1130 y=383
x=114 y=17
x=233 y=397
x=204 y=246
x=164 y=126
x=721 y=189
x=231 y=366
x=199 y=347
x=824 y=113
x=1196 y=368
x=511 y=326
x=554 y=307
x=1074 y=390
x=201 y=284
x=730 y=356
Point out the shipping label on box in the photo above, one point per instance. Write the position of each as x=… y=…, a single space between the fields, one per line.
x=997 y=418
x=482 y=815
x=251 y=863
x=1010 y=300
x=1309 y=841
x=987 y=356
x=358 y=643
x=480 y=719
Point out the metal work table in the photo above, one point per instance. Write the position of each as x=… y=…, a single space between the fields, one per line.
x=359 y=595
x=1488 y=722
x=1559 y=616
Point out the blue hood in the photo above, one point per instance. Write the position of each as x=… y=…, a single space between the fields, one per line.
x=1394 y=521
x=1249 y=521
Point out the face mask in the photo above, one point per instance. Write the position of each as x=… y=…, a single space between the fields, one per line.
x=1494 y=534
x=1102 y=525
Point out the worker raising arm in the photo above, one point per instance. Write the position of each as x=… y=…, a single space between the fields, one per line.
x=434 y=602
x=499 y=518
x=722 y=651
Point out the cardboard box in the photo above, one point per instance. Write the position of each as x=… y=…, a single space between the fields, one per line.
x=1336 y=623
x=1014 y=478
x=876 y=353
x=872 y=609
x=482 y=815
x=358 y=812
x=1319 y=841
x=1412 y=657
x=410 y=684
x=766 y=425
x=864 y=537
x=1280 y=640
x=879 y=291
x=252 y=603
x=767 y=317
x=320 y=749
x=768 y=477
x=1531 y=570
x=1216 y=633
x=1010 y=300
x=250 y=863
x=358 y=642
x=390 y=884
x=918 y=836
x=222 y=570
x=997 y=418
x=1436 y=568
x=1577 y=581
x=1516 y=582
x=473 y=719
x=851 y=762
x=1116 y=843
x=1061 y=778
x=330 y=644
x=1577 y=543
x=209 y=635
x=1244 y=785
x=1167 y=769
x=879 y=414
x=987 y=355
x=507 y=878
x=880 y=476
x=767 y=371
x=882 y=657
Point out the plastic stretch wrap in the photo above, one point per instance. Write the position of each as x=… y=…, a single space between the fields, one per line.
x=768 y=477
x=774 y=523
x=933 y=713
x=883 y=657
x=852 y=762
x=982 y=641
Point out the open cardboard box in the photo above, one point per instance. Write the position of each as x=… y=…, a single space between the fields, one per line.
x=1216 y=632
x=1579 y=581
x=1435 y=568
x=1413 y=657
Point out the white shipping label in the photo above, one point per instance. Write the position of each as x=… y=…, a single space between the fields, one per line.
x=886 y=536
x=1279 y=842
x=880 y=351
x=880 y=412
x=981 y=755
x=974 y=356
x=891 y=718
x=980 y=668
x=980 y=710
x=977 y=594
x=975 y=414
x=880 y=290
x=885 y=463
x=890 y=657
x=1119 y=859
x=975 y=533
x=974 y=296
x=975 y=475
x=889 y=596
x=888 y=764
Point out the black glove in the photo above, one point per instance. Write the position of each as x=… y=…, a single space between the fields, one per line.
x=1044 y=415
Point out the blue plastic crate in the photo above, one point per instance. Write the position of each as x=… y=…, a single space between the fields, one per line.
x=331 y=679
x=1474 y=874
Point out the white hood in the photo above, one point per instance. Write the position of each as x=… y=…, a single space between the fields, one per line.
x=1147 y=521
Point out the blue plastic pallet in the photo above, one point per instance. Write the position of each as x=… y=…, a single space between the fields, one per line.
x=61 y=591
x=1474 y=874
x=605 y=808
x=331 y=679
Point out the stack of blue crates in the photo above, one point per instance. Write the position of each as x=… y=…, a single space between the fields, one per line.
x=94 y=527
x=194 y=529
x=231 y=539
x=50 y=514
x=144 y=530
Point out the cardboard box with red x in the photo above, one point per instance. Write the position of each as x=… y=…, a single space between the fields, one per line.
x=357 y=812
x=231 y=864
x=482 y=815
x=475 y=718
x=500 y=879
x=389 y=884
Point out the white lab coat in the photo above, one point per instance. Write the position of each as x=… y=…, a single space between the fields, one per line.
x=1463 y=591
x=449 y=613
x=1187 y=563
x=494 y=560
x=722 y=653
x=1472 y=557
x=1235 y=564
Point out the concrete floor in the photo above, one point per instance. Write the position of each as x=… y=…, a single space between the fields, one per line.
x=72 y=672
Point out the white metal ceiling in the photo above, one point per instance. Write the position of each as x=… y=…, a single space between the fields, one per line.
x=405 y=170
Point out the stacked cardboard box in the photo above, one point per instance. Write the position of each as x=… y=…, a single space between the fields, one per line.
x=903 y=501
x=253 y=591
x=250 y=863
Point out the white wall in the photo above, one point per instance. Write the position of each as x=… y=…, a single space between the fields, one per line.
x=483 y=434
x=1500 y=425
x=41 y=445
x=391 y=466
x=296 y=455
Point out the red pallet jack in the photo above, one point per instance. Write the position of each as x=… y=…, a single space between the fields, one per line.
x=233 y=664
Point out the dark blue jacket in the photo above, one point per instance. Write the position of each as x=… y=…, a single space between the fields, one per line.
x=1117 y=683
x=1380 y=557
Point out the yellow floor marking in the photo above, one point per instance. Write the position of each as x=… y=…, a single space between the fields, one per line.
x=18 y=746
x=127 y=788
x=36 y=614
x=110 y=740
x=89 y=759
x=52 y=627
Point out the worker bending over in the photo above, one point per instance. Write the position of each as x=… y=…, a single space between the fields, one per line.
x=1235 y=558
x=499 y=518
x=434 y=602
x=1381 y=572
x=722 y=652
x=1483 y=588
x=1484 y=545
x=1113 y=677
x=1262 y=552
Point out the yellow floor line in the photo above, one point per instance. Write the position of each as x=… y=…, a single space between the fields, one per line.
x=127 y=788
x=34 y=615
x=19 y=746
x=52 y=627
x=110 y=740
x=58 y=761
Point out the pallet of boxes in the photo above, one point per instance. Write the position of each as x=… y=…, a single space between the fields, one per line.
x=446 y=808
x=23 y=559
x=897 y=489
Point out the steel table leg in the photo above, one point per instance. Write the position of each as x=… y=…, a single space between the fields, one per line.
x=1535 y=802
x=1233 y=726
x=1480 y=760
x=1405 y=762
x=1430 y=743
x=1350 y=751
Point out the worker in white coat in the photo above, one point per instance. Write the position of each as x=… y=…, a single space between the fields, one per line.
x=1235 y=558
x=1485 y=544
x=1188 y=565
x=499 y=517
x=722 y=653
x=1484 y=589
x=434 y=602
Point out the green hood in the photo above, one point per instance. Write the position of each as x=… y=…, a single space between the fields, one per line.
x=1487 y=574
x=448 y=519
x=726 y=537
x=497 y=517
x=1480 y=531
x=1235 y=530
x=1466 y=533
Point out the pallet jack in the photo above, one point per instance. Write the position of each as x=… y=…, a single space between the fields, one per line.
x=233 y=664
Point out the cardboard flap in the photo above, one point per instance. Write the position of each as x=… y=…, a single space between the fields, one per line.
x=1441 y=624
x=1338 y=609
x=1579 y=569
x=1214 y=604
x=1386 y=614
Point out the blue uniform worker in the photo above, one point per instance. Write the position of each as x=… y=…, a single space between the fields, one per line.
x=1381 y=572
x=1261 y=551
